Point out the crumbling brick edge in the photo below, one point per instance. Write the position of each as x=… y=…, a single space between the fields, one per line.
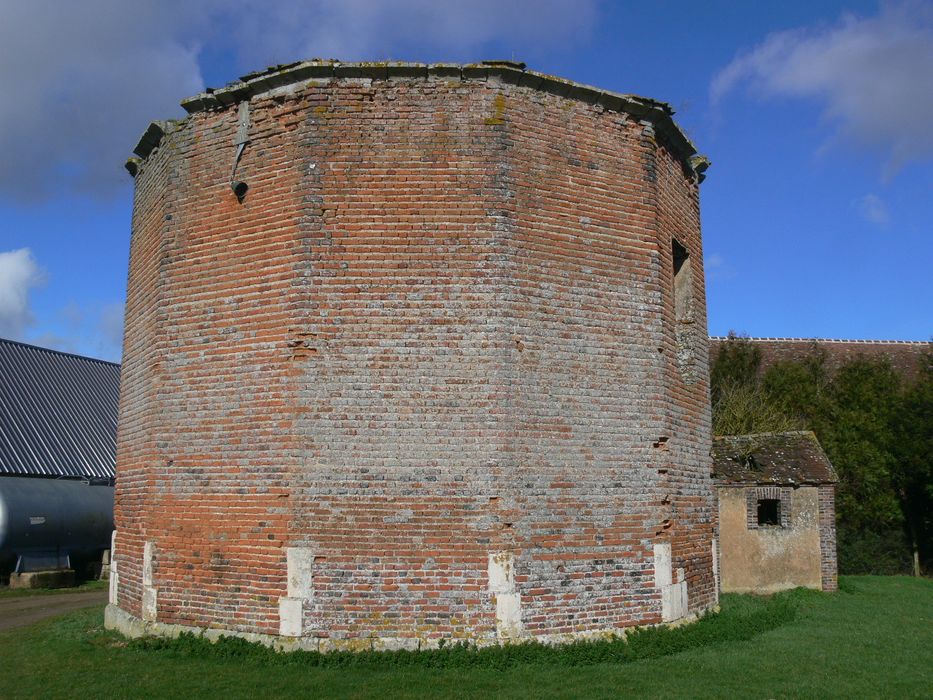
x=120 y=621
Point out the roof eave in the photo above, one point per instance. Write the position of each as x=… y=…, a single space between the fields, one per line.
x=660 y=114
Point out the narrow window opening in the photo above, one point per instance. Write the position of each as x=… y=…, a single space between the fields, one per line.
x=685 y=332
x=683 y=283
x=769 y=511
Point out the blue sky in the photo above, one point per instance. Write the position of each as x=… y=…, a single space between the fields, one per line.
x=818 y=118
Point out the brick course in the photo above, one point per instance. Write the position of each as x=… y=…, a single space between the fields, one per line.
x=436 y=337
x=828 y=565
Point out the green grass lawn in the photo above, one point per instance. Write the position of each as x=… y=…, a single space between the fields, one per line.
x=872 y=639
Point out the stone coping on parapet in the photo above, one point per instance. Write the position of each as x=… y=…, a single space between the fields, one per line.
x=658 y=114
x=821 y=340
x=117 y=619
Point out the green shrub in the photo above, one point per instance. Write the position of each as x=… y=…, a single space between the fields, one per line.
x=882 y=552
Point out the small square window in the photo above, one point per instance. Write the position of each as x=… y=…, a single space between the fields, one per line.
x=769 y=511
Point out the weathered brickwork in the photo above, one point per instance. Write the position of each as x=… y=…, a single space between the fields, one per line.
x=426 y=380
x=905 y=356
x=828 y=565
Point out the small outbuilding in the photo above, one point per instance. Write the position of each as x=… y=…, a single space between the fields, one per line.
x=777 y=517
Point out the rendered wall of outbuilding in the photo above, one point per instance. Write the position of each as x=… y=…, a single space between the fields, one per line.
x=766 y=559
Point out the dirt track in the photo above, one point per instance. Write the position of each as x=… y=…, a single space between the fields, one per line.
x=16 y=611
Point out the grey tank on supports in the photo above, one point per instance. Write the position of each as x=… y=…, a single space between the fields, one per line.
x=46 y=523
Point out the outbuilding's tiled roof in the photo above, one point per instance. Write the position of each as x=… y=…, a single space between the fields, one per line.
x=791 y=458
x=58 y=413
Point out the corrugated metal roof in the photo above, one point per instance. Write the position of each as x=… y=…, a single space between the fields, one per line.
x=771 y=458
x=58 y=413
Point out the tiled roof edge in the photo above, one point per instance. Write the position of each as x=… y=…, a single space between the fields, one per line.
x=727 y=442
x=832 y=468
x=806 y=433
x=826 y=340
x=658 y=113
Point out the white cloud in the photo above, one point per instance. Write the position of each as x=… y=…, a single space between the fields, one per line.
x=81 y=80
x=873 y=209
x=94 y=329
x=873 y=76
x=717 y=269
x=383 y=29
x=72 y=314
x=55 y=342
x=110 y=328
x=19 y=273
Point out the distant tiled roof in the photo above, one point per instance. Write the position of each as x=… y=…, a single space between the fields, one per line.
x=771 y=458
x=907 y=357
x=58 y=413
x=920 y=343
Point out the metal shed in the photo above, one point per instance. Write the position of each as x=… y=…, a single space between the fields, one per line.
x=58 y=420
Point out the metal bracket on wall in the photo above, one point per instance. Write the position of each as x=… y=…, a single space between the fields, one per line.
x=242 y=138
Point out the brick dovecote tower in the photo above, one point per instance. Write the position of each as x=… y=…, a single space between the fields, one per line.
x=413 y=352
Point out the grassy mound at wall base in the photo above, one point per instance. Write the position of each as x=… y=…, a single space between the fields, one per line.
x=741 y=618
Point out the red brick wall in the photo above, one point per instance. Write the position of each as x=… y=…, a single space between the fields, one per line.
x=440 y=325
x=904 y=356
x=828 y=566
x=687 y=503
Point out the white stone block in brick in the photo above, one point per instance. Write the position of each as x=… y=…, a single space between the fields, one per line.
x=508 y=616
x=501 y=572
x=673 y=595
x=150 y=595
x=291 y=617
x=300 y=571
x=113 y=583
x=662 y=564
x=299 y=580
x=147 y=563
x=150 y=603
x=716 y=569
x=674 y=601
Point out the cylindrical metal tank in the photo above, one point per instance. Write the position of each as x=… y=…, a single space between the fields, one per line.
x=43 y=520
